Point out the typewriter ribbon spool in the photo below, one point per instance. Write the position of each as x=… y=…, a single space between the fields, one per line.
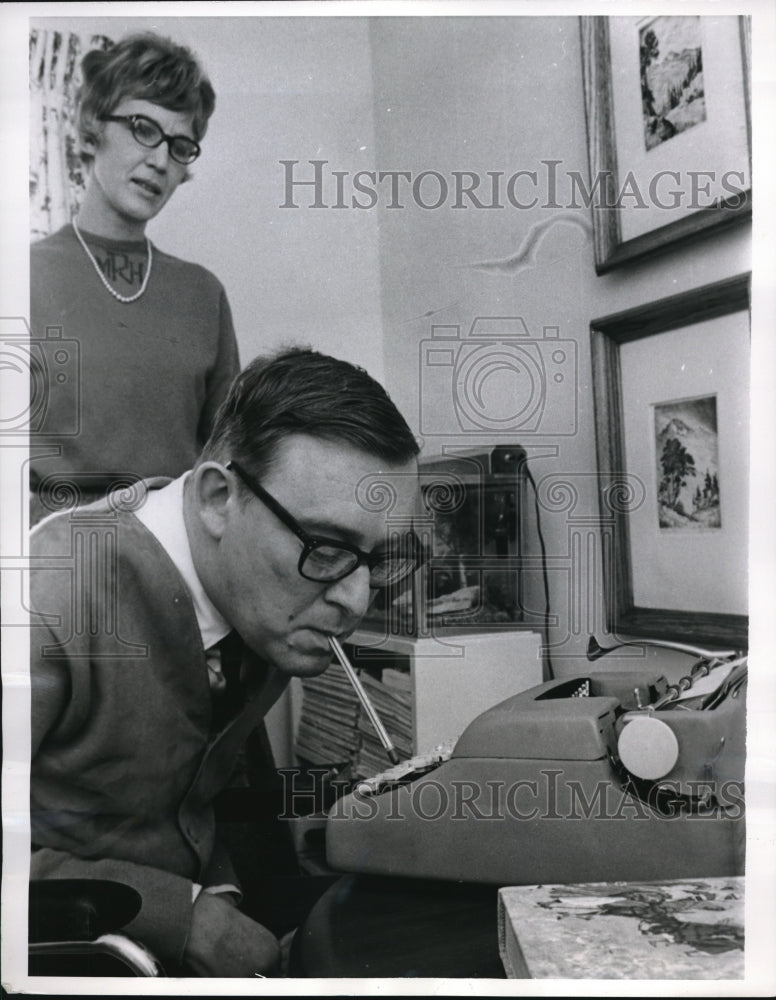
x=648 y=748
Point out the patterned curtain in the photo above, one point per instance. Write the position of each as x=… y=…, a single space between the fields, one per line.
x=57 y=176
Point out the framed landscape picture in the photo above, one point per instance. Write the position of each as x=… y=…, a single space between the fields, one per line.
x=687 y=464
x=671 y=391
x=668 y=109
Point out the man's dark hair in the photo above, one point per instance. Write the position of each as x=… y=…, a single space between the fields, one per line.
x=146 y=67
x=300 y=391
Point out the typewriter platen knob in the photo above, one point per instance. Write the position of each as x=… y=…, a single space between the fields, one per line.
x=648 y=748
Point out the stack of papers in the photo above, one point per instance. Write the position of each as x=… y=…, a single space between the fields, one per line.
x=328 y=727
x=391 y=697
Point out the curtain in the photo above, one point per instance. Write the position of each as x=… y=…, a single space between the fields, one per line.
x=57 y=176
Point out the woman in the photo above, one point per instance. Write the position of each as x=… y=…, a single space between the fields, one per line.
x=137 y=347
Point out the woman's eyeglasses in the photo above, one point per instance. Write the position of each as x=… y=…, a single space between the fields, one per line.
x=149 y=133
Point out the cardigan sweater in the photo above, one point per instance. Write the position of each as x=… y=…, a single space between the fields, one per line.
x=125 y=763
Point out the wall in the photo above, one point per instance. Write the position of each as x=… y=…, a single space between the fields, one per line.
x=505 y=94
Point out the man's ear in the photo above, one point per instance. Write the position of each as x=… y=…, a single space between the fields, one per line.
x=214 y=495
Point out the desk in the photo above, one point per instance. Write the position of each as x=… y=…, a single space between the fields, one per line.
x=375 y=926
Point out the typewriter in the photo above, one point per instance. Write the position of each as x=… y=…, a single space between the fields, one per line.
x=605 y=777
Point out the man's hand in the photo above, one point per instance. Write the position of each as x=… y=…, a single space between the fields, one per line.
x=224 y=942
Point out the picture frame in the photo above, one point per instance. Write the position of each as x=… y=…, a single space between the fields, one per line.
x=663 y=175
x=683 y=578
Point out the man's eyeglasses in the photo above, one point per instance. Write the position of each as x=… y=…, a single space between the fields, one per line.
x=326 y=560
x=149 y=133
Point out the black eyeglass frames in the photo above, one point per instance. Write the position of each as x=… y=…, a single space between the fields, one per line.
x=326 y=560
x=149 y=133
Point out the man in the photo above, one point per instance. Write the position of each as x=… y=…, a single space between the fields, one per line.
x=147 y=338
x=271 y=543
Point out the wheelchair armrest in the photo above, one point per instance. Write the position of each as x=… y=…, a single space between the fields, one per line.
x=79 y=909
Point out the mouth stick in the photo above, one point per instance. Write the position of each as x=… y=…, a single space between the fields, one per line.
x=374 y=718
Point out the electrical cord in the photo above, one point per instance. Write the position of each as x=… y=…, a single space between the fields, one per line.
x=549 y=671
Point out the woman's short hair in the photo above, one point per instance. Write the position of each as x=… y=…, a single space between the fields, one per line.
x=301 y=391
x=146 y=67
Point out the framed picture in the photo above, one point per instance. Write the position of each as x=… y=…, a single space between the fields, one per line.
x=668 y=108
x=671 y=391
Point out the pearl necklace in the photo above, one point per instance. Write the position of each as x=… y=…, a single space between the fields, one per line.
x=104 y=280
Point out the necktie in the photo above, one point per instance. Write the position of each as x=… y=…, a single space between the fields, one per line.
x=227 y=697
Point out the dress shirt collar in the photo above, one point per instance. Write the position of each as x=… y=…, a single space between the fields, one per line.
x=162 y=514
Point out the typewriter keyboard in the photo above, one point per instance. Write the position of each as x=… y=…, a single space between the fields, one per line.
x=405 y=771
